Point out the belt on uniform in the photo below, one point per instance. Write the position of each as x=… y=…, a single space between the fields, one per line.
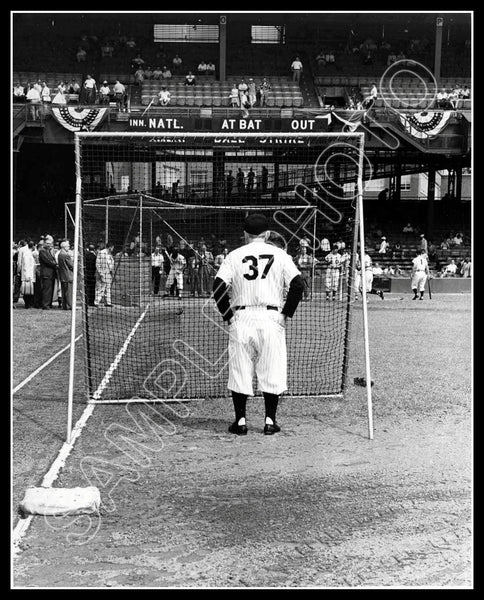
x=244 y=307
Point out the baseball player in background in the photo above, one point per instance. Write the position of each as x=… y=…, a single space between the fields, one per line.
x=104 y=275
x=256 y=314
x=304 y=261
x=420 y=272
x=178 y=264
x=368 y=266
x=333 y=269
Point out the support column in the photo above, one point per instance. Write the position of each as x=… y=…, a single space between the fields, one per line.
x=439 y=26
x=458 y=184
x=430 y=203
x=275 y=187
x=222 y=47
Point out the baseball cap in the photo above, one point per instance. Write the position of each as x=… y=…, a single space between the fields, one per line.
x=255 y=224
x=49 y=239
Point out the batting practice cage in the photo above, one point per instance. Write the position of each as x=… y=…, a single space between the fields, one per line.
x=151 y=330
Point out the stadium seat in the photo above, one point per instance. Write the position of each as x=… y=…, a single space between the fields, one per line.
x=217 y=101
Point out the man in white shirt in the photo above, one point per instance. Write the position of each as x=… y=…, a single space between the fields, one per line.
x=156 y=269
x=91 y=89
x=256 y=314
x=104 y=92
x=104 y=275
x=33 y=97
x=164 y=96
x=450 y=270
x=296 y=68
x=119 y=94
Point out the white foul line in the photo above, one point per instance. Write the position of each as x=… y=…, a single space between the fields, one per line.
x=37 y=371
x=23 y=524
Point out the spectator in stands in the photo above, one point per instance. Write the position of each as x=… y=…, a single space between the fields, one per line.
x=340 y=245
x=296 y=68
x=177 y=63
x=449 y=270
x=325 y=245
x=242 y=87
x=120 y=95
x=443 y=100
x=81 y=55
x=45 y=94
x=34 y=99
x=397 y=251
x=384 y=245
x=210 y=68
x=458 y=239
x=60 y=97
x=157 y=73
x=392 y=57
x=137 y=62
x=465 y=93
x=130 y=43
x=18 y=93
x=139 y=76
x=321 y=59
x=377 y=270
x=148 y=73
x=234 y=96
x=401 y=56
x=408 y=228
x=330 y=57
x=104 y=93
x=190 y=79
x=90 y=90
x=251 y=92
x=107 y=49
x=74 y=87
x=244 y=105
x=423 y=244
x=164 y=96
x=466 y=267
x=264 y=89
x=373 y=95
x=202 y=68
x=166 y=73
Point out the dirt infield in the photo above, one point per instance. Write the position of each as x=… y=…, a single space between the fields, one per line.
x=318 y=505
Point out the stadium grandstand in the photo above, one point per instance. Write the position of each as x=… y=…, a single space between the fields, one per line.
x=403 y=79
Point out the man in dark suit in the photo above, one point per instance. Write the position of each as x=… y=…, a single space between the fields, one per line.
x=48 y=271
x=66 y=270
x=90 y=273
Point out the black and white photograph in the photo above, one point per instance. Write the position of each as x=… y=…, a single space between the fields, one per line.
x=245 y=241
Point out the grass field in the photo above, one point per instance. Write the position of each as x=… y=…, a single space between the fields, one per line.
x=318 y=505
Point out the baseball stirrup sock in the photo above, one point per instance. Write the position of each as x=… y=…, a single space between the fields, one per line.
x=270 y=401
x=240 y=400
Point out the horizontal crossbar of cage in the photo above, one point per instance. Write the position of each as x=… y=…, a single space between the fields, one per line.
x=200 y=399
x=218 y=134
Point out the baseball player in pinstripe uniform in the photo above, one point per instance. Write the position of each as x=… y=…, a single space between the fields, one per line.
x=420 y=272
x=368 y=277
x=333 y=270
x=178 y=264
x=256 y=314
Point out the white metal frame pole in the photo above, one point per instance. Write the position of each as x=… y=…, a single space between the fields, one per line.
x=139 y=248
x=313 y=265
x=363 y=289
x=77 y=222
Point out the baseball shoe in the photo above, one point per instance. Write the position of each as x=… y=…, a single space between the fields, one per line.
x=415 y=297
x=271 y=429
x=421 y=298
x=380 y=293
x=238 y=429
